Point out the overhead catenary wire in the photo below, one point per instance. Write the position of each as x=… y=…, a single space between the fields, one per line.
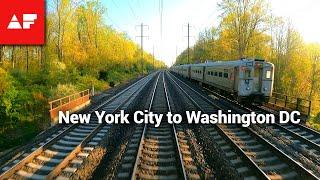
x=132 y=11
x=115 y=4
x=114 y=23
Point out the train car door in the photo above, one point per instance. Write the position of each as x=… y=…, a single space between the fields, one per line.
x=236 y=79
x=203 y=73
x=257 y=78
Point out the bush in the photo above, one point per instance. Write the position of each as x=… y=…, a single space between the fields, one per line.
x=64 y=90
x=86 y=82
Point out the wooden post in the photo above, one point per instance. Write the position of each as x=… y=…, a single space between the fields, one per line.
x=298 y=103
x=286 y=101
x=309 y=109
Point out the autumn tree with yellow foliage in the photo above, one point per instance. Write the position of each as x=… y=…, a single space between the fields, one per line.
x=81 y=51
x=248 y=29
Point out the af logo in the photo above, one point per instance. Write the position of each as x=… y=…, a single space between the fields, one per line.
x=22 y=22
x=28 y=19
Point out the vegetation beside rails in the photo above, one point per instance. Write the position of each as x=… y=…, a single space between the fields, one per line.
x=81 y=51
x=314 y=122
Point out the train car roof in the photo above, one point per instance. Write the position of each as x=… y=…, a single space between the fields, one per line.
x=229 y=63
x=225 y=63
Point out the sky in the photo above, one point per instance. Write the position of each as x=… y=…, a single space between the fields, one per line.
x=127 y=16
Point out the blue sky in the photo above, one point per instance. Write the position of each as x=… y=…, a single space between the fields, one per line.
x=124 y=15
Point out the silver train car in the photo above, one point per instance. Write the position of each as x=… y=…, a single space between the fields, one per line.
x=246 y=80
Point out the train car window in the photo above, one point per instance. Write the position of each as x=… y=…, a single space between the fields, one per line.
x=247 y=73
x=268 y=74
x=220 y=74
x=211 y=73
x=225 y=75
x=215 y=73
x=257 y=72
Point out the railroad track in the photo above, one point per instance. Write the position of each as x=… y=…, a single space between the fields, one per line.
x=254 y=157
x=304 y=140
x=61 y=155
x=158 y=153
x=301 y=134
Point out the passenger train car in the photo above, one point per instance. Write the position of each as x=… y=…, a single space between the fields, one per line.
x=246 y=80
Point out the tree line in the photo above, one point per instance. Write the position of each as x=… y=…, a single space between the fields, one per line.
x=249 y=29
x=81 y=51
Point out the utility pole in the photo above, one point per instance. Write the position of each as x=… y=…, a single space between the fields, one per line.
x=161 y=12
x=176 y=53
x=188 y=43
x=142 y=36
x=188 y=36
x=153 y=57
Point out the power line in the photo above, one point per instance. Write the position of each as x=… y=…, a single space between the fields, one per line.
x=132 y=11
x=115 y=4
x=113 y=22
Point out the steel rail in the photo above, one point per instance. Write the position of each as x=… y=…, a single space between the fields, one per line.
x=56 y=171
x=258 y=171
x=300 y=126
x=143 y=133
x=8 y=173
x=310 y=130
x=181 y=164
x=284 y=156
x=175 y=132
x=307 y=141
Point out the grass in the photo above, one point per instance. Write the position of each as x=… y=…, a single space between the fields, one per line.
x=314 y=122
x=20 y=134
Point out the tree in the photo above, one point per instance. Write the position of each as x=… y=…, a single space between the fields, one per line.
x=63 y=11
x=1 y=53
x=314 y=55
x=245 y=20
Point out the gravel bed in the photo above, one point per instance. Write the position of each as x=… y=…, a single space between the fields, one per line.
x=306 y=158
x=215 y=157
x=100 y=161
